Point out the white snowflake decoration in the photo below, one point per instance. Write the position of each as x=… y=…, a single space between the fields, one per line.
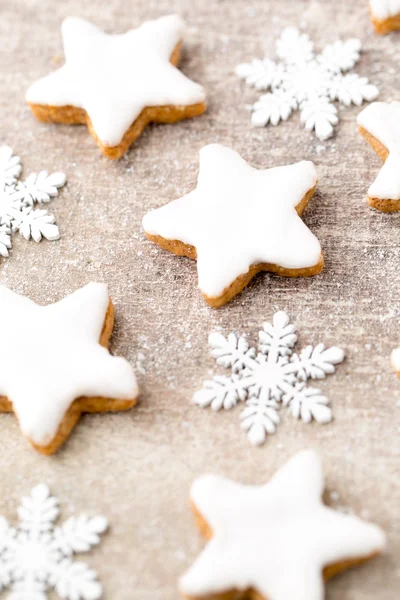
x=37 y=556
x=17 y=200
x=269 y=378
x=306 y=81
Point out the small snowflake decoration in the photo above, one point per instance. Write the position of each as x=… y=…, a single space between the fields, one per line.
x=37 y=556
x=269 y=378
x=306 y=81
x=17 y=200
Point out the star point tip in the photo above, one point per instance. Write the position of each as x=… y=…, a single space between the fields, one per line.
x=202 y=485
x=76 y=25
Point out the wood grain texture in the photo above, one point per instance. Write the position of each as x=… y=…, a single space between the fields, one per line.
x=136 y=468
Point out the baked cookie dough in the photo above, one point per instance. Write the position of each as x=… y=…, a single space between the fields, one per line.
x=238 y=221
x=56 y=366
x=274 y=542
x=385 y=15
x=117 y=84
x=379 y=124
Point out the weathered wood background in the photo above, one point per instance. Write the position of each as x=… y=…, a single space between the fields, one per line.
x=136 y=468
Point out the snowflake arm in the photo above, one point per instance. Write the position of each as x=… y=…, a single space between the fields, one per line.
x=42 y=187
x=316 y=363
x=10 y=166
x=75 y=581
x=320 y=114
x=259 y=419
x=221 y=392
x=11 y=205
x=79 y=534
x=294 y=47
x=233 y=351
x=278 y=338
x=352 y=89
x=17 y=201
x=341 y=56
x=6 y=536
x=38 y=511
x=36 y=224
x=260 y=74
x=28 y=589
x=272 y=108
x=5 y=240
x=308 y=404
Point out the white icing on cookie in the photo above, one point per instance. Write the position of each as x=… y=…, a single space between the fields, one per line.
x=239 y=216
x=52 y=357
x=114 y=77
x=384 y=9
x=382 y=120
x=395 y=359
x=275 y=539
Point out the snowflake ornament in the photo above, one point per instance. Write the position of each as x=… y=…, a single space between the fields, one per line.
x=17 y=200
x=269 y=378
x=37 y=556
x=301 y=79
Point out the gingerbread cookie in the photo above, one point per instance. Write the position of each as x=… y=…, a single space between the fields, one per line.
x=117 y=84
x=385 y=15
x=239 y=221
x=55 y=364
x=274 y=542
x=379 y=123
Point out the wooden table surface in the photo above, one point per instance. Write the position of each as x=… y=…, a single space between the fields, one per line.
x=136 y=468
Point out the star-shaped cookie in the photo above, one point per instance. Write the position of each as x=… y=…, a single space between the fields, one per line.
x=55 y=364
x=379 y=123
x=385 y=15
x=117 y=84
x=274 y=542
x=239 y=221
